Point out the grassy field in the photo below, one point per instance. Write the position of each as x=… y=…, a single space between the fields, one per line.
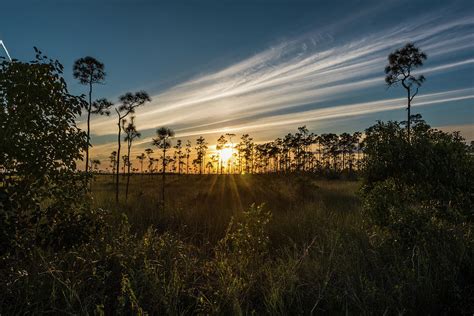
x=200 y=207
x=238 y=245
x=315 y=255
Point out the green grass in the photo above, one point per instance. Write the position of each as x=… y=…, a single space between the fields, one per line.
x=200 y=207
x=215 y=250
x=315 y=237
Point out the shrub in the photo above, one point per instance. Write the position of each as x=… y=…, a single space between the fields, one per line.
x=417 y=196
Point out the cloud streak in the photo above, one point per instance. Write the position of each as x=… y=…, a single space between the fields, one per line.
x=276 y=87
x=289 y=120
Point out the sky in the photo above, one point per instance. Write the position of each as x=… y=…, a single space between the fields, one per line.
x=263 y=67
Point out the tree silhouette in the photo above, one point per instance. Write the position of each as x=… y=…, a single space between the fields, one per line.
x=201 y=149
x=125 y=163
x=188 y=153
x=128 y=103
x=141 y=159
x=101 y=107
x=179 y=154
x=230 y=135
x=163 y=142
x=95 y=163
x=345 y=144
x=131 y=134
x=113 y=163
x=221 y=142
x=90 y=71
x=287 y=144
x=148 y=153
x=401 y=63
x=209 y=166
x=355 y=149
x=246 y=146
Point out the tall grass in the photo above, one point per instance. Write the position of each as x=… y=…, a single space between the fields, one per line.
x=200 y=207
x=233 y=245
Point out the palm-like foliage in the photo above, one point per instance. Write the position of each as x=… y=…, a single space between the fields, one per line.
x=101 y=107
x=163 y=142
x=88 y=70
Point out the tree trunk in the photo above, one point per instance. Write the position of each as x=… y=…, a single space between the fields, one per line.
x=163 y=178
x=118 y=164
x=89 y=125
x=128 y=169
x=409 y=114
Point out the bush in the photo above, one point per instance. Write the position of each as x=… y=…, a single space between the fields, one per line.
x=418 y=198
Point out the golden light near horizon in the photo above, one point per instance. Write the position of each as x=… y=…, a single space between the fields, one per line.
x=225 y=154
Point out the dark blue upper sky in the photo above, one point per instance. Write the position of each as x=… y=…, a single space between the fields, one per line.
x=232 y=58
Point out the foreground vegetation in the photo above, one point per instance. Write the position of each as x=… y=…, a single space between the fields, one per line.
x=308 y=249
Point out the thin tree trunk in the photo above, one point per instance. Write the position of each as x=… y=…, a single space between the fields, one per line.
x=118 y=164
x=163 y=178
x=409 y=114
x=128 y=170
x=89 y=125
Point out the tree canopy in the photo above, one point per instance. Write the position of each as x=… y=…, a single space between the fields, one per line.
x=39 y=137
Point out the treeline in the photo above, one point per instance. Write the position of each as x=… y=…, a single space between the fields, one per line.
x=299 y=152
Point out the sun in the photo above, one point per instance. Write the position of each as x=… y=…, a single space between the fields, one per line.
x=226 y=154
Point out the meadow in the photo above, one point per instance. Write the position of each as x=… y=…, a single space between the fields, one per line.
x=275 y=243
x=200 y=207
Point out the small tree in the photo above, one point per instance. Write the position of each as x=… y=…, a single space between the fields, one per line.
x=401 y=63
x=90 y=71
x=188 y=153
x=201 y=149
x=148 y=152
x=131 y=134
x=179 y=154
x=95 y=163
x=39 y=140
x=113 y=163
x=129 y=102
x=163 y=142
x=209 y=166
x=141 y=159
x=221 y=142
x=230 y=135
x=125 y=163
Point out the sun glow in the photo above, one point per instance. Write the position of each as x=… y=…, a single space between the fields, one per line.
x=225 y=154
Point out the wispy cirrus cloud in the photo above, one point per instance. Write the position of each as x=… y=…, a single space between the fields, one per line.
x=275 y=87
x=283 y=121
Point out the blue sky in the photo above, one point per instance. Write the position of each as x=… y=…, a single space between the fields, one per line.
x=262 y=67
